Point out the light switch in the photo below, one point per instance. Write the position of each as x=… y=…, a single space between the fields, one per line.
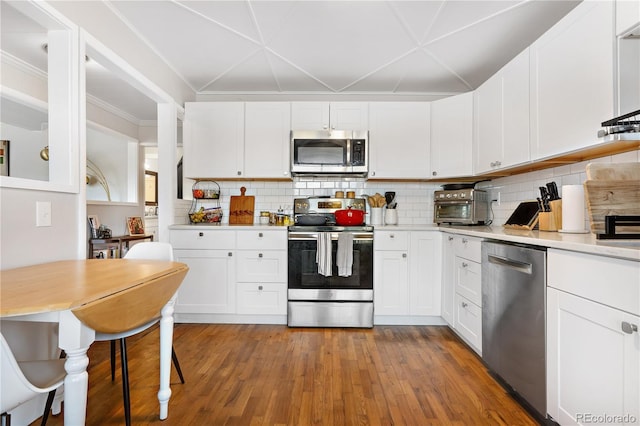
x=43 y=213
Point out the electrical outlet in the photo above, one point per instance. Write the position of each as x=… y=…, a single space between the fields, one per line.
x=43 y=213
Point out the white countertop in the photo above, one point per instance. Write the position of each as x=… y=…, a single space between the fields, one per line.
x=585 y=243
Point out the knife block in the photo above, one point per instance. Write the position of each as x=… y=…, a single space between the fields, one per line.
x=551 y=221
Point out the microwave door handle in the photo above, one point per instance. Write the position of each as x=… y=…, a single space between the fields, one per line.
x=348 y=152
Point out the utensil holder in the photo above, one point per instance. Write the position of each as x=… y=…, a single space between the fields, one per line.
x=390 y=216
x=551 y=221
x=376 y=215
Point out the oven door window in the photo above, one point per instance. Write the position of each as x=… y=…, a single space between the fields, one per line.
x=454 y=211
x=319 y=152
x=303 y=269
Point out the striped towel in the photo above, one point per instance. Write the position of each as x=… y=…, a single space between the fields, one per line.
x=323 y=254
x=344 y=255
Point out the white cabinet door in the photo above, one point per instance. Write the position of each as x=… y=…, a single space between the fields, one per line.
x=501 y=117
x=390 y=282
x=325 y=116
x=452 y=136
x=261 y=266
x=309 y=115
x=572 y=87
x=425 y=263
x=399 y=139
x=448 y=279
x=213 y=139
x=266 y=143
x=209 y=287
x=349 y=115
x=593 y=365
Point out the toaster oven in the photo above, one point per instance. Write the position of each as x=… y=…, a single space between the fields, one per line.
x=461 y=206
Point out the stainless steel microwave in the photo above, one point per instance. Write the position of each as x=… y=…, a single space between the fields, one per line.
x=329 y=152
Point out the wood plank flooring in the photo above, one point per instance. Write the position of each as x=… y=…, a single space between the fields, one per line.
x=273 y=375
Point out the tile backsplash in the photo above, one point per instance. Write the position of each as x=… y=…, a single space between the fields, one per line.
x=415 y=199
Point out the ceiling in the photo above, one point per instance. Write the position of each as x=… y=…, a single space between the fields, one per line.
x=421 y=49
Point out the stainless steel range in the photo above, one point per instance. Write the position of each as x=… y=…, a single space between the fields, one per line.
x=330 y=281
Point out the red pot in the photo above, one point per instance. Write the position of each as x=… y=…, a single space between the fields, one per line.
x=349 y=217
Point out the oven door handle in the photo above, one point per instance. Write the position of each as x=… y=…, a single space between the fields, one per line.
x=313 y=236
x=453 y=202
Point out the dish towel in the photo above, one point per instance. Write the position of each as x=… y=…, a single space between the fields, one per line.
x=344 y=256
x=323 y=254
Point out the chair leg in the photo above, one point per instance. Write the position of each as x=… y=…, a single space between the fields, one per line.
x=125 y=382
x=113 y=360
x=174 y=357
x=50 y=397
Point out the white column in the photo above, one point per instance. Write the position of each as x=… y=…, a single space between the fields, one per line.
x=167 y=162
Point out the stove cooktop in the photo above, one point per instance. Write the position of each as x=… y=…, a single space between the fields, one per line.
x=329 y=228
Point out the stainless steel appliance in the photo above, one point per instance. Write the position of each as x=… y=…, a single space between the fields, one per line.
x=465 y=206
x=513 y=320
x=319 y=300
x=329 y=152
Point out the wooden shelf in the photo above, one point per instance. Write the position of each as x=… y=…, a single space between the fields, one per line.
x=112 y=247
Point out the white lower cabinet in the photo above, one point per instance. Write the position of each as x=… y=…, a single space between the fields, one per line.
x=234 y=276
x=593 y=343
x=209 y=287
x=462 y=288
x=407 y=277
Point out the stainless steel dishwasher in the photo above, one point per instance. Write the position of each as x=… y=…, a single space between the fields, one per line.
x=514 y=320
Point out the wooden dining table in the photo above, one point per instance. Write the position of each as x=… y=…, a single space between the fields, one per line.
x=94 y=295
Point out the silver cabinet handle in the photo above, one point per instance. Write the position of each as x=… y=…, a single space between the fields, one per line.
x=493 y=164
x=434 y=173
x=260 y=287
x=465 y=241
x=404 y=254
x=259 y=254
x=465 y=264
x=200 y=234
x=464 y=304
x=229 y=254
x=450 y=238
x=629 y=328
x=239 y=173
x=392 y=236
x=260 y=235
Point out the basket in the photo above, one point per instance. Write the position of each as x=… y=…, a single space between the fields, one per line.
x=212 y=215
x=206 y=190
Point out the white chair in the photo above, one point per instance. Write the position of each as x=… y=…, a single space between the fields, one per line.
x=149 y=251
x=22 y=380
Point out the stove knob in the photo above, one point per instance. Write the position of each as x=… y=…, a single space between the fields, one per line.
x=455 y=195
x=448 y=195
x=463 y=195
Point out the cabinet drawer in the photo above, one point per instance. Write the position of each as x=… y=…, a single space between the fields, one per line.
x=468 y=278
x=262 y=298
x=262 y=239
x=261 y=265
x=607 y=280
x=469 y=248
x=203 y=239
x=391 y=240
x=469 y=322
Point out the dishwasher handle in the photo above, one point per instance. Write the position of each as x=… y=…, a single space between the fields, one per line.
x=523 y=267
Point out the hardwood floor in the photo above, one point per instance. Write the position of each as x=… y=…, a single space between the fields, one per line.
x=274 y=375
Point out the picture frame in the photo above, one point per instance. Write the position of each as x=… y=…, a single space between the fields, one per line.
x=94 y=224
x=135 y=225
x=4 y=158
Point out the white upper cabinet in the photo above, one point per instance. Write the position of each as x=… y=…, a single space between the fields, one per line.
x=213 y=139
x=266 y=144
x=236 y=140
x=627 y=16
x=451 y=136
x=329 y=115
x=501 y=118
x=399 y=140
x=572 y=85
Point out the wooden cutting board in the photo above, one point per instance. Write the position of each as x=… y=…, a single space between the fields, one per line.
x=241 y=208
x=613 y=171
x=612 y=197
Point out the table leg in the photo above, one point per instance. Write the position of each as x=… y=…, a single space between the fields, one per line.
x=75 y=338
x=166 y=343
